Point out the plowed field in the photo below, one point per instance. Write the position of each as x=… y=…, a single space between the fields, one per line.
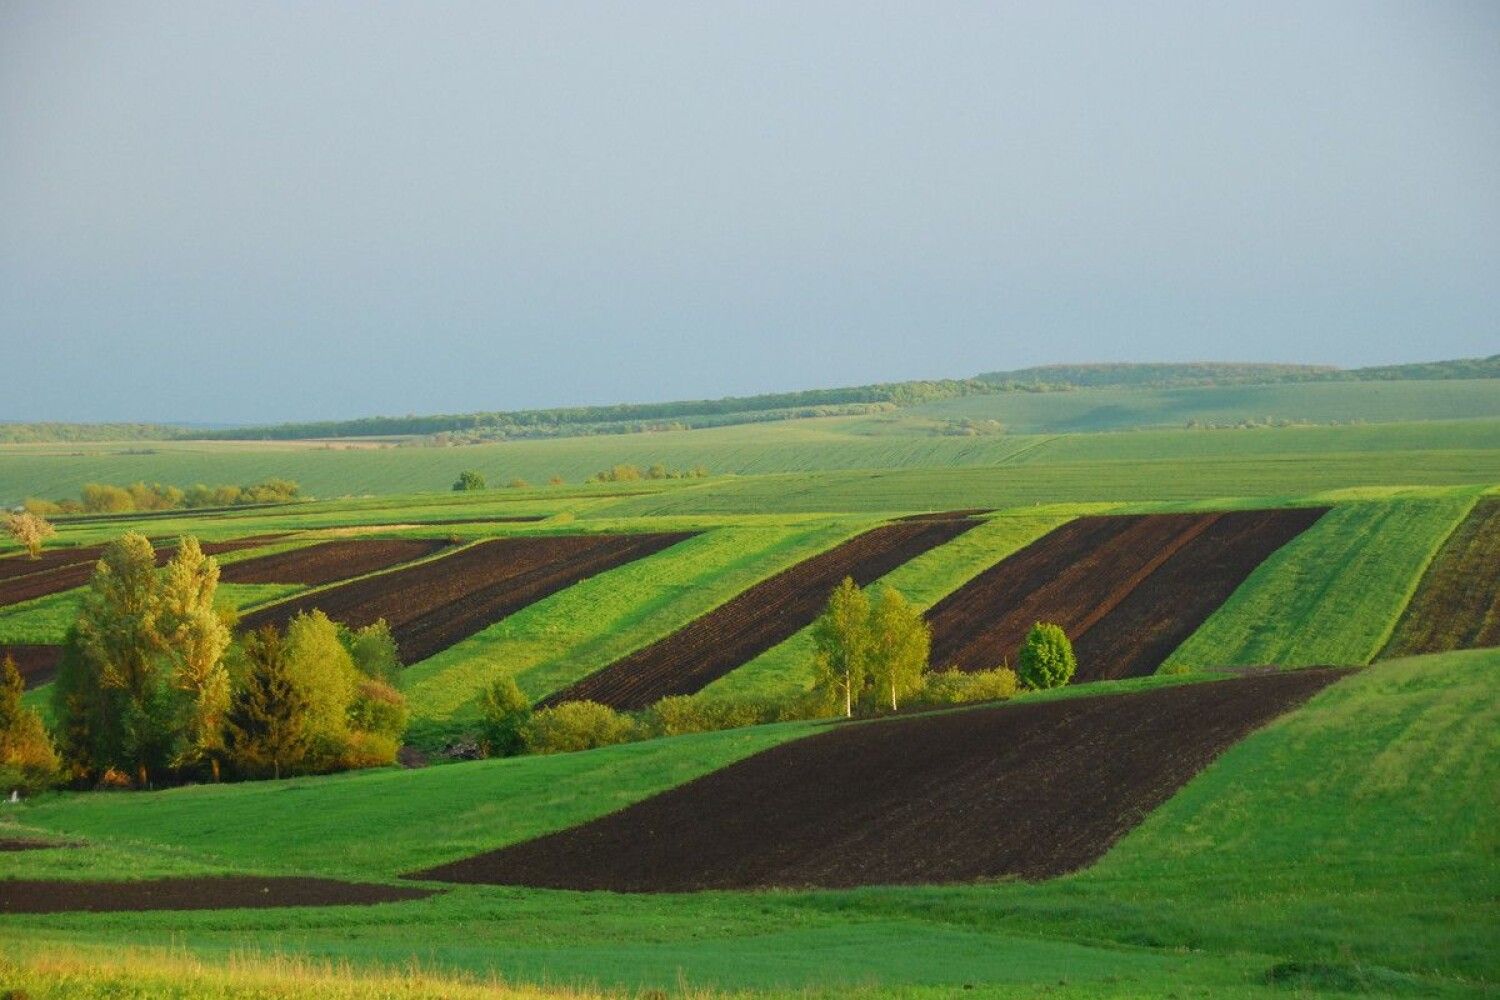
x=38 y=664
x=1457 y=603
x=221 y=892
x=326 y=562
x=1127 y=589
x=75 y=572
x=435 y=604
x=1025 y=790
x=756 y=619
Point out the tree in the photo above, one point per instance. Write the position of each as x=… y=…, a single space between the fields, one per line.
x=373 y=650
x=468 y=480
x=266 y=728
x=114 y=700
x=322 y=670
x=505 y=710
x=30 y=530
x=900 y=640
x=28 y=763
x=196 y=634
x=841 y=637
x=1046 y=659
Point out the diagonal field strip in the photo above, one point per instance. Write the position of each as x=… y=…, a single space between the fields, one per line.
x=946 y=797
x=1457 y=601
x=756 y=619
x=434 y=604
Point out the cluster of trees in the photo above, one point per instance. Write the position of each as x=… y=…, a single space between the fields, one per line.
x=28 y=529
x=152 y=686
x=103 y=498
x=625 y=473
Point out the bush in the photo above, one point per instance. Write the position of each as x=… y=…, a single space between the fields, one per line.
x=1047 y=659
x=468 y=479
x=505 y=710
x=955 y=687
x=373 y=650
x=378 y=710
x=519 y=484
x=576 y=725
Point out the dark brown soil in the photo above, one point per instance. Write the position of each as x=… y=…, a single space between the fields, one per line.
x=38 y=664
x=224 y=892
x=757 y=619
x=327 y=562
x=1127 y=589
x=33 y=844
x=74 y=573
x=21 y=565
x=1457 y=603
x=435 y=604
x=1027 y=790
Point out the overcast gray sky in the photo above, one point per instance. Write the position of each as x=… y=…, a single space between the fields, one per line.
x=266 y=211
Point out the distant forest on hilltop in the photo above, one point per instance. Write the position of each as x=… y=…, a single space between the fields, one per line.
x=626 y=418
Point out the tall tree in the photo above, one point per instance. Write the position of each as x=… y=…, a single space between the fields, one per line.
x=30 y=530
x=841 y=638
x=900 y=641
x=114 y=698
x=196 y=635
x=266 y=728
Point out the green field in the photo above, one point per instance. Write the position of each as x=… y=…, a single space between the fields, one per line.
x=1342 y=846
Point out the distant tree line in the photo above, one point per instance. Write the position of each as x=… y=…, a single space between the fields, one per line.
x=102 y=498
x=1211 y=373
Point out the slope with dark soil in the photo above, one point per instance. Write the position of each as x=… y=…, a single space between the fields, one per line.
x=327 y=562
x=220 y=892
x=75 y=573
x=1457 y=603
x=37 y=664
x=435 y=604
x=1127 y=589
x=756 y=619
x=1025 y=790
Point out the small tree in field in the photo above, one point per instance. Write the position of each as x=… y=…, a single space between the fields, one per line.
x=30 y=530
x=1046 y=659
x=505 y=710
x=841 y=636
x=468 y=480
x=266 y=728
x=900 y=641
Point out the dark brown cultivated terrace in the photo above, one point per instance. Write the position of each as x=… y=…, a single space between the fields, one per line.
x=75 y=572
x=756 y=619
x=434 y=604
x=37 y=664
x=1029 y=790
x=1457 y=603
x=221 y=892
x=327 y=562
x=1127 y=589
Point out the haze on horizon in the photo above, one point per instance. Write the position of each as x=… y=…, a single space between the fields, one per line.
x=263 y=212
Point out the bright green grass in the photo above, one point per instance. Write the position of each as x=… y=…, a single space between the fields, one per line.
x=569 y=635
x=784 y=669
x=1356 y=833
x=1108 y=409
x=794 y=446
x=47 y=619
x=1331 y=595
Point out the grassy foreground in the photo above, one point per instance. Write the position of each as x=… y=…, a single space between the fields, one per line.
x=1347 y=847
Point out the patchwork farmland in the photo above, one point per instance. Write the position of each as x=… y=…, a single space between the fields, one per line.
x=1134 y=833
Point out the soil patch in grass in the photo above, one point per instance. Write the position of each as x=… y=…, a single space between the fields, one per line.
x=327 y=562
x=225 y=892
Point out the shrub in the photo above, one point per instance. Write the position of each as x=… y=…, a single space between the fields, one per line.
x=366 y=750
x=505 y=710
x=1047 y=659
x=555 y=480
x=675 y=715
x=373 y=650
x=956 y=687
x=378 y=710
x=576 y=725
x=468 y=479
x=519 y=484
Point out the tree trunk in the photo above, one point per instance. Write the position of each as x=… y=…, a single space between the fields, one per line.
x=213 y=762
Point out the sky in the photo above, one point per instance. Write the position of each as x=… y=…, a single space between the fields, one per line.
x=251 y=212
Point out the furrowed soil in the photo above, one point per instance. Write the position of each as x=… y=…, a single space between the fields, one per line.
x=436 y=604
x=1457 y=603
x=76 y=571
x=328 y=562
x=37 y=664
x=1127 y=589
x=227 y=892
x=757 y=619
x=21 y=565
x=1026 y=790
